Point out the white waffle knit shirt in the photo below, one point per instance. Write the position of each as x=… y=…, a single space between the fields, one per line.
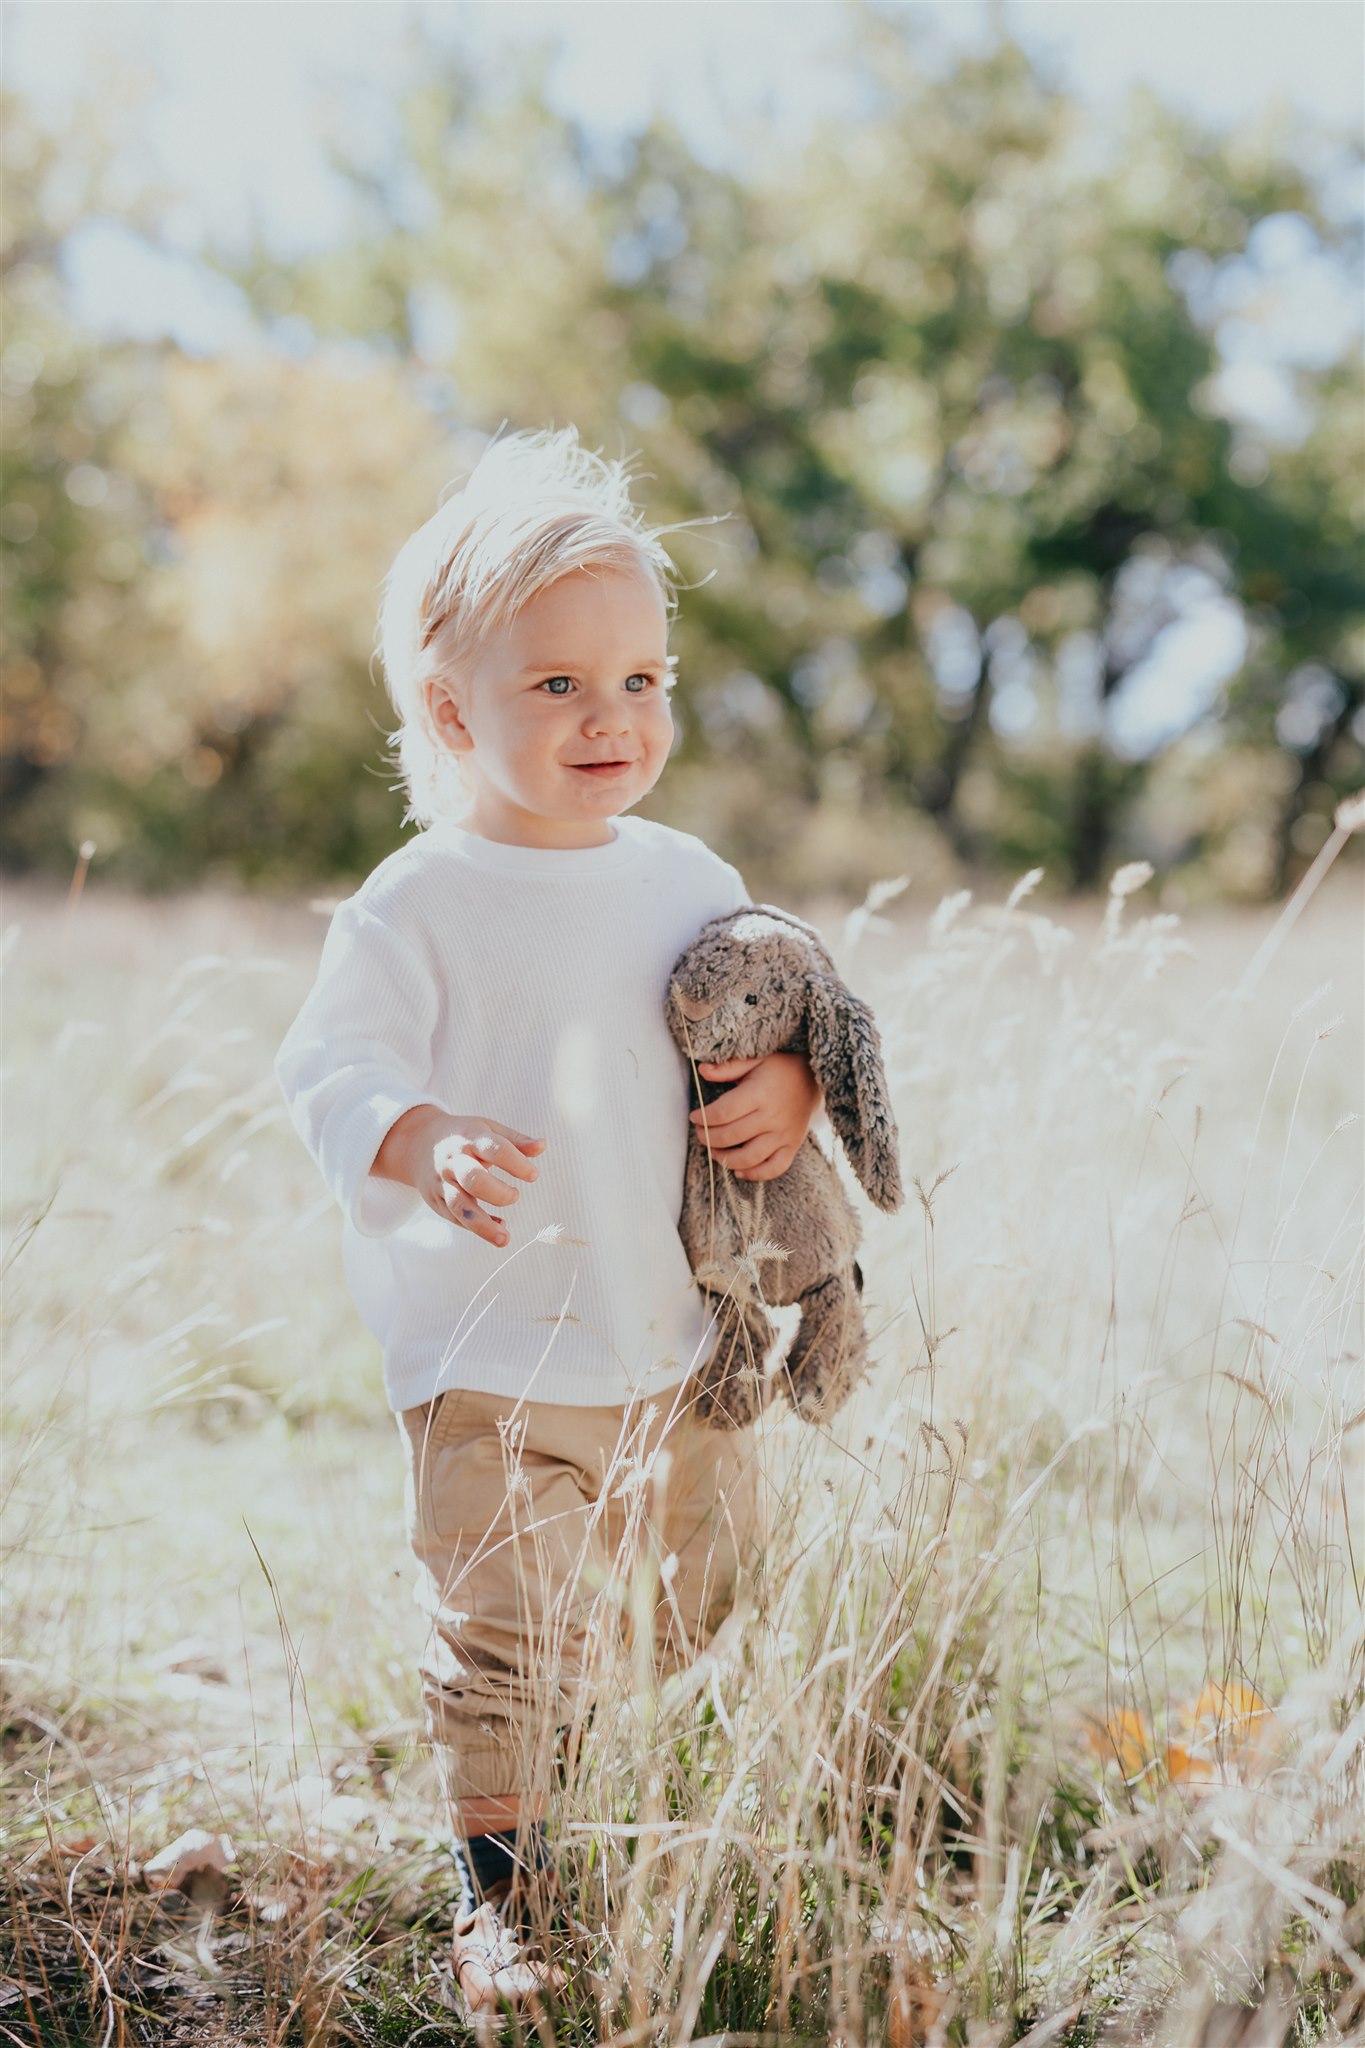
x=526 y=984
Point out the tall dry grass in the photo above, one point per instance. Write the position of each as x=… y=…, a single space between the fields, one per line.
x=1044 y=1716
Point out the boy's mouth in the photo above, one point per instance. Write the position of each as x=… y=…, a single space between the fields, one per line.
x=604 y=768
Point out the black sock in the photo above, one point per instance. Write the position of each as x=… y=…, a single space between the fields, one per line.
x=485 y=1861
x=464 y=1877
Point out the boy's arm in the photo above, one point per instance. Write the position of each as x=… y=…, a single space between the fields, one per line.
x=357 y=1058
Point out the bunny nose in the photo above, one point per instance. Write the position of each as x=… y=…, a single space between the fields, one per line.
x=694 y=1011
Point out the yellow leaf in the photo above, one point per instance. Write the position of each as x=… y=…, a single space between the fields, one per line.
x=1124 y=1739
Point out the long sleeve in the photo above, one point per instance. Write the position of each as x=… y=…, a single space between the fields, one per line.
x=357 y=1056
x=741 y=892
x=526 y=984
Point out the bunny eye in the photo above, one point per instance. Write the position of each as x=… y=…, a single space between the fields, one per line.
x=751 y=999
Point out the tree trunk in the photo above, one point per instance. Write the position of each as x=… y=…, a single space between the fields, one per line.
x=935 y=788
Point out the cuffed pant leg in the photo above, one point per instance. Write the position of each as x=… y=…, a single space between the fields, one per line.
x=499 y=1508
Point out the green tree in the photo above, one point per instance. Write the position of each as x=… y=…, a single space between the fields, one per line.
x=950 y=392
x=952 y=395
x=71 y=520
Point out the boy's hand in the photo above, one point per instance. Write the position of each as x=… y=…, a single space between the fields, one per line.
x=758 y=1126
x=450 y=1161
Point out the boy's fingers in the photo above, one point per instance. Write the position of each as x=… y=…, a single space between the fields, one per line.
x=518 y=1138
x=506 y=1152
x=512 y=1160
x=725 y=1109
x=471 y=1217
x=733 y=1133
x=750 y=1158
x=477 y=1180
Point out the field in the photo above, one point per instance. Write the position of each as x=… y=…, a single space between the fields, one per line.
x=1045 y=1720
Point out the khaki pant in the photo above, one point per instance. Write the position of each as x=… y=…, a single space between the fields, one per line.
x=528 y=1520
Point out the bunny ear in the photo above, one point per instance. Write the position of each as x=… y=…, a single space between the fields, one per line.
x=845 y=1054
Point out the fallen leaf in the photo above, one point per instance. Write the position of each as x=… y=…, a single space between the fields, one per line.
x=193 y=1658
x=195 y=1854
x=1124 y=1739
x=276 y=1902
x=1226 y=1731
x=915 y=2010
x=1183 y=1767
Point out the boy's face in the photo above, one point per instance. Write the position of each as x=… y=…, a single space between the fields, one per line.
x=579 y=677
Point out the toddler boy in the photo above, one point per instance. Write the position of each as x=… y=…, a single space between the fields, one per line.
x=487 y=1032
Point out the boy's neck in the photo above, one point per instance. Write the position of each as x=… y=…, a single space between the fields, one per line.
x=506 y=827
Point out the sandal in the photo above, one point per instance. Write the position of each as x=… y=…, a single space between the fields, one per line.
x=492 y=1973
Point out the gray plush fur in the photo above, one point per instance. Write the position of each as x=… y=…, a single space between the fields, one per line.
x=753 y=982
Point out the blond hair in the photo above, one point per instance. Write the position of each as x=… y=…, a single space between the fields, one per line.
x=535 y=506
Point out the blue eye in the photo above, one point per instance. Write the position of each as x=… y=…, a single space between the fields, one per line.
x=639 y=677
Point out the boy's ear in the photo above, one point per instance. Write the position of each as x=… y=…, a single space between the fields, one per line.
x=846 y=1058
x=443 y=711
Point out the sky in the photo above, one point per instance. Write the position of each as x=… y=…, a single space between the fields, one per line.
x=243 y=91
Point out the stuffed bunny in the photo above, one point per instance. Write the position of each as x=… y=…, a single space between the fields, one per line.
x=755 y=981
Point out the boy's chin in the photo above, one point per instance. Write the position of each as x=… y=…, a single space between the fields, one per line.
x=602 y=799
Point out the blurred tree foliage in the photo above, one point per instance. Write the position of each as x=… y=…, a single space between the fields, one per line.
x=950 y=395
x=71 y=520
